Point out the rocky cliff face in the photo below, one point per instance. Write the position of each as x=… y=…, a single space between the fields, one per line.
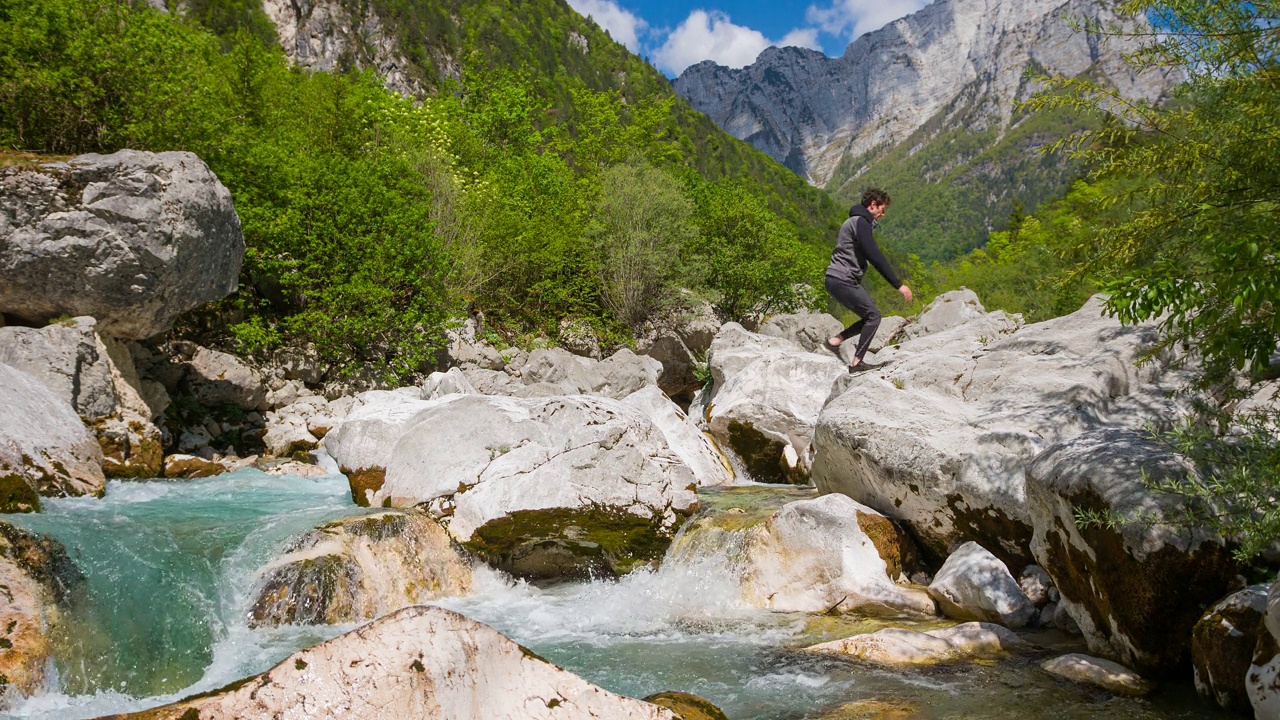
x=954 y=56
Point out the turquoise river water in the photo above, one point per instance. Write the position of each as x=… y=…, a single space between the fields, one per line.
x=171 y=567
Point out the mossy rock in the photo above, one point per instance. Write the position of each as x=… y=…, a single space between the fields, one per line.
x=764 y=458
x=687 y=706
x=571 y=543
x=314 y=591
x=17 y=495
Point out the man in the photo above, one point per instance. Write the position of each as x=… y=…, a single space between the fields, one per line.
x=854 y=249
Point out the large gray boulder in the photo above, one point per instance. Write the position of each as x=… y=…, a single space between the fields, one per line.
x=133 y=239
x=824 y=554
x=1222 y=647
x=1137 y=582
x=679 y=376
x=765 y=401
x=948 y=310
x=360 y=568
x=974 y=585
x=216 y=378
x=939 y=435
x=543 y=487
x=44 y=447
x=419 y=662
x=69 y=359
x=1263 y=681
x=808 y=330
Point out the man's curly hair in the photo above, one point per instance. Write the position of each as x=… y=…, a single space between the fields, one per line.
x=874 y=195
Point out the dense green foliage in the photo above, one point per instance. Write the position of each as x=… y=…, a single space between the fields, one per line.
x=543 y=182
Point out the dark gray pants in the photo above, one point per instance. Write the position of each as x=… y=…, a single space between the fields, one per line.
x=854 y=297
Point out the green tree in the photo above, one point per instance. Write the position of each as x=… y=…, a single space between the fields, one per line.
x=642 y=226
x=1200 y=247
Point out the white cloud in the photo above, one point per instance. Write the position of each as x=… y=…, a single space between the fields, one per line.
x=712 y=36
x=622 y=24
x=852 y=18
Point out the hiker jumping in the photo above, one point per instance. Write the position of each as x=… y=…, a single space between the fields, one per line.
x=854 y=249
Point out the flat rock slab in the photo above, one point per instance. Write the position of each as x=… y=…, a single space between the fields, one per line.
x=1108 y=675
x=902 y=647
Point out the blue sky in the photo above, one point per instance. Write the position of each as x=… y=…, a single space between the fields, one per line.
x=674 y=34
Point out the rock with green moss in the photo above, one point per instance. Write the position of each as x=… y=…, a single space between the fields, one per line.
x=766 y=396
x=1222 y=646
x=939 y=434
x=360 y=568
x=1137 y=582
x=687 y=706
x=543 y=487
x=419 y=662
x=44 y=447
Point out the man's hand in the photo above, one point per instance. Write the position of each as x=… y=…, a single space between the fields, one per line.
x=906 y=292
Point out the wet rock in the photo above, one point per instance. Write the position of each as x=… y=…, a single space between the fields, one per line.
x=765 y=401
x=132 y=447
x=687 y=706
x=1222 y=646
x=216 y=378
x=686 y=439
x=40 y=583
x=1137 y=587
x=361 y=443
x=823 y=554
x=192 y=466
x=295 y=468
x=940 y=434
x=360 y=568
x=417 y=662
x=133 y=239
x=808 y=330
x=900 y=647
x=1263 y=681
x=44 y=447
x=974 y=585
x=543 y=488
x=452 y=382
x=1110 y=676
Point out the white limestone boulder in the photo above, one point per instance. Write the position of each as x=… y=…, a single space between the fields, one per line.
x=419 y=662
x=974 y=585
x=360 y=568
x=946 y=311
x=1135 y=586
x=817 y=555
x=697 y=449
x=365 y=434
x=568 y=486
x=44 y=447
x=900 y=647
x=68 y=358
x=940 y=433
x=1263 y=681
x=133 y=239
x=766 y=398
x=1222 y=646
x=559 y=366
x=624 y=372
x=451 y=382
